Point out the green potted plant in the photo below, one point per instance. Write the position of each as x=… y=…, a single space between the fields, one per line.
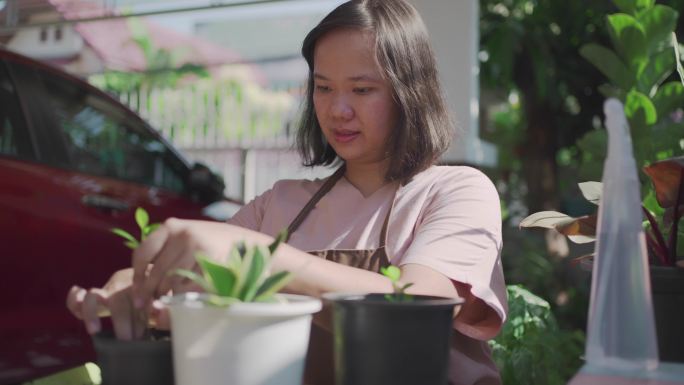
x=640 y=68
x=138 y=362
x=240 y=330
x=391 y=338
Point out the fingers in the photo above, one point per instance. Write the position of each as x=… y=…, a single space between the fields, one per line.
x=93 y=301
x=128 y=322
x=176 y=253
x=143 y=256
x=159 y=316
x=74 y=300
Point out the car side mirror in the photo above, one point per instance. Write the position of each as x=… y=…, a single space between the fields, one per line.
x=205 y=186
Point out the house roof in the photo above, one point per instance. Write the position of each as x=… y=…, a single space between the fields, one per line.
x=112 y=40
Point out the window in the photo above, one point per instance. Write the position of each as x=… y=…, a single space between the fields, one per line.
x=43 y=35
x=58 y=33
x=14 y=137
x=102 y=140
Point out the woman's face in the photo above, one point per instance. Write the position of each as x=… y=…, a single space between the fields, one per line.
x=352 y=99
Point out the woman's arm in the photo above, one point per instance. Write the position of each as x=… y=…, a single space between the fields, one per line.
x=176 y=242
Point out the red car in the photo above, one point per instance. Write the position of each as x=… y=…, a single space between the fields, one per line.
x=74 y=163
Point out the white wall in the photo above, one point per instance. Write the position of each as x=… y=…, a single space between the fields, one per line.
x=454 y=30
x=28 y=40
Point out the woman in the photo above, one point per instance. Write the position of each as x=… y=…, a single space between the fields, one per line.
x=374 y=106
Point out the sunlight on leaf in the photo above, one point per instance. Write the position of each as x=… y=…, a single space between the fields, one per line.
x=141 y=218
x=591 y=191
x=546 y=219
x=666 y=176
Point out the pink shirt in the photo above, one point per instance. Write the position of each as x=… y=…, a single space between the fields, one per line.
x=447 y=218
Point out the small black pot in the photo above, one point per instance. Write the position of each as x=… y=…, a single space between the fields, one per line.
x=667 y=287
x=141 y=362
x=378 y=342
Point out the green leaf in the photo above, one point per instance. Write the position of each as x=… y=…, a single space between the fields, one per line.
x=196 y=278
x=612 y=91
x=633 y=6
x=151 y=228
x=282 y=236
x=629 y=39
x=392 y=272
x=609 y=64
x=241 y=278
x=651 y=204
x=219 y=301
x=219 y=276
x=640 y=110
x=668 y=98
x=659 y=67
x=132 y=244
x=141 y=218
x=272 y=285
x=254 y=274
x=124 y=234
x=403 y=288
x=234 y=259
x=658 y=23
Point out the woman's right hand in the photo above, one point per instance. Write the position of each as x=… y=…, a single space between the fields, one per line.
x=114 y=299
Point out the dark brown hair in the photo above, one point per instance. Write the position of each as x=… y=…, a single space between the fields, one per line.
x=405 y=55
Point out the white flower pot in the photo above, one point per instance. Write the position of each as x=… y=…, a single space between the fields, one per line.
x=243 y=344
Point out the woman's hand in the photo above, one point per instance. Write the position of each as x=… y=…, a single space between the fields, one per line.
x=174 y=245
x=113 y=299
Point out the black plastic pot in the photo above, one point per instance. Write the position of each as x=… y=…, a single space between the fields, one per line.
x=140 y=362
x=378 y=342
x=667 y=286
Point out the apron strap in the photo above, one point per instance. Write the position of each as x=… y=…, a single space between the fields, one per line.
x=383 y=232
x=327 y=186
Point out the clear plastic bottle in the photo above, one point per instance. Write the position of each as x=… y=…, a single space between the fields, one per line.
x=621 y=330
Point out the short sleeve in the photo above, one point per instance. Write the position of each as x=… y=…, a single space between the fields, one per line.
x=459 y=235
x=251 y=215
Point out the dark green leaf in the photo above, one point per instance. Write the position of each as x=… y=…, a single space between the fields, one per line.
x=219 y=276
x=403 y=288
x=633 y=6
x=659 y=22
x=245 y=266
x=254 y=274
x=282 y=236
x=609 y=64
x=668 y=98
x=629 y=38
x=659 y=67
x=272 y=285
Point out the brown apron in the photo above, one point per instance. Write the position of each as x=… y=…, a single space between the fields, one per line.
x=319 y=368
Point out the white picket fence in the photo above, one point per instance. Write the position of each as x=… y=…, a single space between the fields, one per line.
x=244 y=132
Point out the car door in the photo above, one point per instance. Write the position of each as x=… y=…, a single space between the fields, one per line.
x=74 y=164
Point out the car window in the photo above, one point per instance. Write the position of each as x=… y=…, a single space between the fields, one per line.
x=14 y=137
x=102 y=140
